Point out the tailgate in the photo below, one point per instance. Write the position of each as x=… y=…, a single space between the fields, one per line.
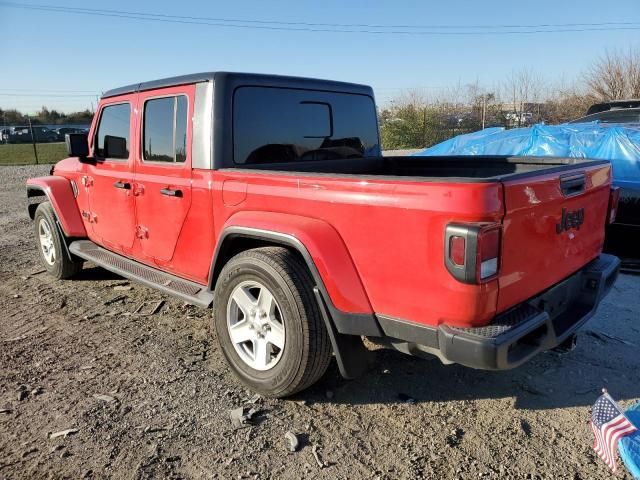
x=554 y=224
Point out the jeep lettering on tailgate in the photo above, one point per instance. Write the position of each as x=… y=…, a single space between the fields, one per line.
x=570 y=220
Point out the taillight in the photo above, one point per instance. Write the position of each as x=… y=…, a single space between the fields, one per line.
x=472 y=251
x=488 y=252
x=614 y=199
x=457 y=250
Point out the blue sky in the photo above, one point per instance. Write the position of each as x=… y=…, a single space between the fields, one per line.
x=47 y=56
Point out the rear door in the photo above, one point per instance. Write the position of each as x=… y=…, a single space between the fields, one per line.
x=109 y=182
x=554 y=225
x=163 y=170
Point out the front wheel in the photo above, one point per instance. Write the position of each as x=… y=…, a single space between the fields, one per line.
x=268 y=322
x=51 y=244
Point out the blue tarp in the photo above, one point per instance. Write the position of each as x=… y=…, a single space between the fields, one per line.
x=619 y=143
x=629 y=446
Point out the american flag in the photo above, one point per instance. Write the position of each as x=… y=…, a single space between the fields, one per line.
x=609 y=425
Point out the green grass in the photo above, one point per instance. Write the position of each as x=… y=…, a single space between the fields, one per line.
x=22 y=153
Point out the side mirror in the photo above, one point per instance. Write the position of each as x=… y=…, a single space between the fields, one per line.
x=77 y=145
x=115 y=147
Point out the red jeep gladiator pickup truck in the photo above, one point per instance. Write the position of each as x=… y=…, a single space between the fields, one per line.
x=267 y=198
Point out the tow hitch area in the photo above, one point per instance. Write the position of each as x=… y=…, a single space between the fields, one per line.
x=568 y=345
x=547 y=321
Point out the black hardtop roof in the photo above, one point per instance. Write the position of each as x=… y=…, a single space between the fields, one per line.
x=254 y=78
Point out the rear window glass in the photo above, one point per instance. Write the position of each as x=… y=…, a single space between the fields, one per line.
x=114 y=123
x=273 y=125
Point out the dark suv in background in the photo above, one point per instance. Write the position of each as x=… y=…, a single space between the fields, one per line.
x=623 y=236
x=22 y=134
x=614 y=111
x=62 y=131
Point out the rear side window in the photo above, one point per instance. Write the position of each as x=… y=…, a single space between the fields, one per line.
x=165 y=129
x=273 y=125
x=112 y=137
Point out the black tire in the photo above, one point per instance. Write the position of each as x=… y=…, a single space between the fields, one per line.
x=59 y=266
x=307 y=349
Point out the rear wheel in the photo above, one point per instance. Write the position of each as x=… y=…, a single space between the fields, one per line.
x=268 y=322
x=50 y=242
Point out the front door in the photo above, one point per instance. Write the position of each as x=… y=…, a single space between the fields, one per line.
x=109 y=182
x=163 y=171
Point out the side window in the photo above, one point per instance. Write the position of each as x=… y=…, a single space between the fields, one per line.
x=112 y=137
x=165 y=129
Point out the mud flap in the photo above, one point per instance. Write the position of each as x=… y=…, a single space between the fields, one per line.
x=352 y=356
x=64 y=242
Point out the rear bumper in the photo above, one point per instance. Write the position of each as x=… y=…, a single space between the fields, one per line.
x=517 y=335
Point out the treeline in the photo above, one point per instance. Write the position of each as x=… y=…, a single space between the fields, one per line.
x=45 y=117
x=417 y=120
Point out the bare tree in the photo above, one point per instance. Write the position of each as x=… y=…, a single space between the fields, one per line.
x=633 y=73
x=417 y=119
x=481 y=101
x=615 y=76
x=565 y=102
x=525 y=88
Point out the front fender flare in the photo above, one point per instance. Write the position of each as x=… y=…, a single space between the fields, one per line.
x=59 y=192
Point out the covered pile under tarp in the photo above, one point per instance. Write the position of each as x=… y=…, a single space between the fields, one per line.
x=629 y=446
x=619 y=143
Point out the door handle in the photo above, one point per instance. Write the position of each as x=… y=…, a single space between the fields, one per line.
x=572 y=184
x=171 y=193
x=125 y=185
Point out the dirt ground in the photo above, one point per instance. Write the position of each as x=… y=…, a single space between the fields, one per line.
x=149 y=396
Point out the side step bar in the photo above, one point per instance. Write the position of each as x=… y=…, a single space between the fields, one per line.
x=186 y=290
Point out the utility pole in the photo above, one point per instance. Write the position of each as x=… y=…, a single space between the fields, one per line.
x=33 y=139
x=424 y=127
x=484 y=109
x=515 y=108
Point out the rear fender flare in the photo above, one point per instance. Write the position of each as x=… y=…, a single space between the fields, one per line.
x=59 y=192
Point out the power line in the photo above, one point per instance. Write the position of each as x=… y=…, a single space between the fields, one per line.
x=45 y=90
x=336 y=28
x=416 y=87
x=45 y=95
x=341 y=25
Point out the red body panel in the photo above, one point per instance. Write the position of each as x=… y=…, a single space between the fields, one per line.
x=196 y=243
x=113 y=209
x=378 y=244
x=392 y=230
x=161 y=217
x=325 y=246
x=534 y=255
x=60 y=194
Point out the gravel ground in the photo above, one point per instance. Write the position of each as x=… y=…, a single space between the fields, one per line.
x=149 y=396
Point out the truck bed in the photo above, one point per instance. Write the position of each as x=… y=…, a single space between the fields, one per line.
x=450 y=168
x=404 y=204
